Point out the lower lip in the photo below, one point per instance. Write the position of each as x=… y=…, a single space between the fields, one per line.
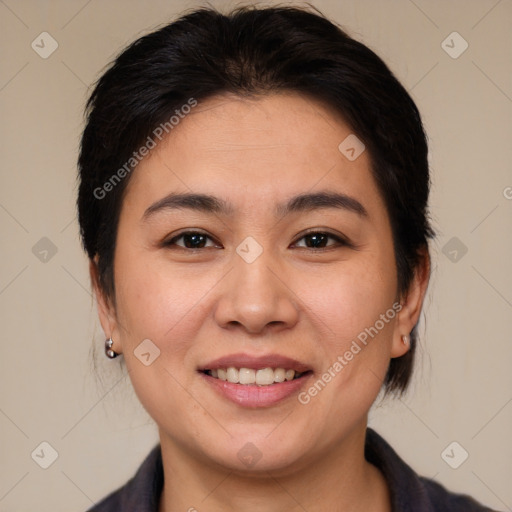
x=252 y=395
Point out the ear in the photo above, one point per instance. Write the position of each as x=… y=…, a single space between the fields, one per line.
x=411 y=303
x=106 y=310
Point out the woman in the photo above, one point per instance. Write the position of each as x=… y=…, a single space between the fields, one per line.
x=253 y=200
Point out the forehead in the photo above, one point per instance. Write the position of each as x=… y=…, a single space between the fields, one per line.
x=275 y=131
x=254 y=150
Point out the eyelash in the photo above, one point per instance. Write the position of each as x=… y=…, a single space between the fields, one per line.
x=341 y=241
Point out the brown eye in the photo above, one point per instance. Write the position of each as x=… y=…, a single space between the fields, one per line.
x=191 y=240
x=319 y=240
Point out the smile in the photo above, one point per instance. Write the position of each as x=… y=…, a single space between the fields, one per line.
x=248 y=376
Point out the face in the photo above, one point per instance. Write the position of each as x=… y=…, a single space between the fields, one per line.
x=254 y=278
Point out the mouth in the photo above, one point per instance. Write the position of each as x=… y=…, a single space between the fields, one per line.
x=255 y=381
x=253 y=376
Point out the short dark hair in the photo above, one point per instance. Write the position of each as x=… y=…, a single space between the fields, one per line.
x=255 y=51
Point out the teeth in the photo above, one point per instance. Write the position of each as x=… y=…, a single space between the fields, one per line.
x=263 y=377
x=246 y=376
x=279 y=375
x=233 y=375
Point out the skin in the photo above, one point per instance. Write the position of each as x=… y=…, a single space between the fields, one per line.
x=297 y=300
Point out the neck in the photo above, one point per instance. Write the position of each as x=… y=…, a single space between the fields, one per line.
x=338 y=480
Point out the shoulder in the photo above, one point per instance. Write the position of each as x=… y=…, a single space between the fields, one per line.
x=110 y=503
x=141 y=493
x=445 y=501
x=410 y=492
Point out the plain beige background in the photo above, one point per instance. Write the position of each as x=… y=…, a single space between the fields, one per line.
x=50 y=391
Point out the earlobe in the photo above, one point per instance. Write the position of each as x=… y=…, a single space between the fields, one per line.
x=401 y=345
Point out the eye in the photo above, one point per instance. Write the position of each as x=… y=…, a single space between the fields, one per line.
x=191 y=240
x=312 y=240
x=319 y=240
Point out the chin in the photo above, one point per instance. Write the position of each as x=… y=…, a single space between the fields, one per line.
x=258 y=453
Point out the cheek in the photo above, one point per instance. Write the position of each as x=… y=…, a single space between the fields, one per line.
x=352 y=296
x=155 y=303
x=355 y=305
x=161 y=306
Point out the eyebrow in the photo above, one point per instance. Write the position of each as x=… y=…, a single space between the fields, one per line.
x=300 y=203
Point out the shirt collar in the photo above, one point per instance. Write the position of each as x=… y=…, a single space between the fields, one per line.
x=408 y=493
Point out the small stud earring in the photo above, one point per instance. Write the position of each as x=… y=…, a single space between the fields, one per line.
x=405 y=339
x=109 y=352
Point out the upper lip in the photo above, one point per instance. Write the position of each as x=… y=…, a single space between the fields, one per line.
x=256 y=362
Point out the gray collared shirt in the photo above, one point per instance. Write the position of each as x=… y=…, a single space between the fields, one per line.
x=409 y=492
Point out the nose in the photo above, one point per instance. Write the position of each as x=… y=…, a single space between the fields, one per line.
x=256 y=297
